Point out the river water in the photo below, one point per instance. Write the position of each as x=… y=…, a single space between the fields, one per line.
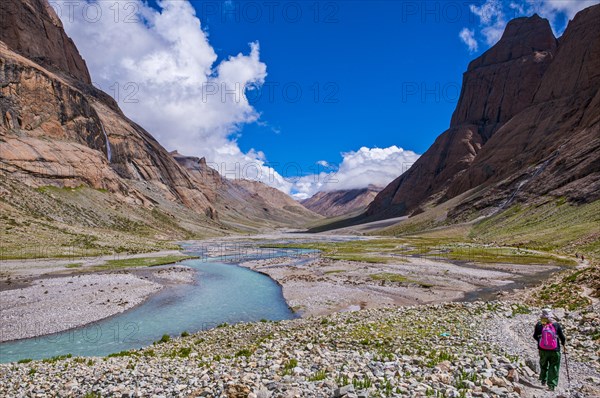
x=222 y=293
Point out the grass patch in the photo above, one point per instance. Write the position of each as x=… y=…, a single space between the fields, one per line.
x=554 y=226
x=566 y=291
x=334 y=271
x=520 y=309
x=74 y=265
x=289 y=366
x=164 y=339
x=122 y=354
x=389 y=277
x=243 y=353
x=184 y=352
x=144 y=261
x=397 y=278
x=318 y=376
x=149 y=353
x=365 y=251
x=509 y=255
x=56 y=358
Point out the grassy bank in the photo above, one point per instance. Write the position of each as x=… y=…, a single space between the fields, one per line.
x=435 y=247
x=554 y=227
x=140 y=262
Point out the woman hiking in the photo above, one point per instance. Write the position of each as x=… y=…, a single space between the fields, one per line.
x=549 y=336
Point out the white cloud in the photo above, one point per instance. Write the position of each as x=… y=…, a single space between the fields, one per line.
x=568 y=7
x=468 y=37
x=167 y=77
x=191 y=103
x=493 y=15
x=489 y=12
x=492 y=19
x=324 y=163
x=359 y=169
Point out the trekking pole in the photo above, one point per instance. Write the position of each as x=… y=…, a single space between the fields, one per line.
x=567 y=366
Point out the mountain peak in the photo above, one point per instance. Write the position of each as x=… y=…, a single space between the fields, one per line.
x=32 y=29
x=522 y=36
x=526 y=102
x=503 y=80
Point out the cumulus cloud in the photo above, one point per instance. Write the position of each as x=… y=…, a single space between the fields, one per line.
x=358 y=169
x=493 y=15
x=468 y=37
x=163 y=72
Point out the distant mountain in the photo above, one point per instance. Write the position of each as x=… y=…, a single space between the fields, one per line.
x=526 y=130
x=77 y=174
x=244 y=202
x=341 y=202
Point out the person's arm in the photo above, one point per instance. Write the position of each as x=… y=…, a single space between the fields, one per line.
x=537 y=332
x=560 y=334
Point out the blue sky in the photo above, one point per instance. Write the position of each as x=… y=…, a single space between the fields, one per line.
x=362 y=57
x=346 y=93
x=370 y=73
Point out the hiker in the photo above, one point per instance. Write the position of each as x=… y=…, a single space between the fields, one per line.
x=549 y=336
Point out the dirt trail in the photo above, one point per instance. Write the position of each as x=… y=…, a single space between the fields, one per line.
x=516 y=336
x=587 y=293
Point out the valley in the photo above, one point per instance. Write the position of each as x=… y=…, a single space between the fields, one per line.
x=129 y=267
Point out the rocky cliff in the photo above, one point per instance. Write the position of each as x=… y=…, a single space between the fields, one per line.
x=526 y=125
x=341 y=202
x=32 y=29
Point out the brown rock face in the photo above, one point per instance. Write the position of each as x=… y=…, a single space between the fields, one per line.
x=503 y=80
x=56 y=134
x=32 y=29
x=337 y=203
x=527 y=124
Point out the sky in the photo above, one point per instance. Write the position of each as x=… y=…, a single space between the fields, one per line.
x=302 y=95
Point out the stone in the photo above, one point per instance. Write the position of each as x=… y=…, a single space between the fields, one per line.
x=513 y=375
x=342 y=391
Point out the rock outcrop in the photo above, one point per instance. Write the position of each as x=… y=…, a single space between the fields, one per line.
x=526 y=125
x=341 y=202
x=56 y=134
x=32 y=29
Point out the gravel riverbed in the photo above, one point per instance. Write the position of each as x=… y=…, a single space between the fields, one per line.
x=435 y=350
x=52 y=304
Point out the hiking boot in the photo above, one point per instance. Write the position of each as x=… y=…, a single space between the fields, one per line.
x=543 y=382
x=551 y=388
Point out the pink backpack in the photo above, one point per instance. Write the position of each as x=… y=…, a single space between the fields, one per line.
x=548 y=340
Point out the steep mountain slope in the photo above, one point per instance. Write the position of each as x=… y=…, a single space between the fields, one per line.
x=526 y=126
x=340 y=202
x=249 y=203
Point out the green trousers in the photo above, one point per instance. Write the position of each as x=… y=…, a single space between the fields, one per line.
x=550 y=367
